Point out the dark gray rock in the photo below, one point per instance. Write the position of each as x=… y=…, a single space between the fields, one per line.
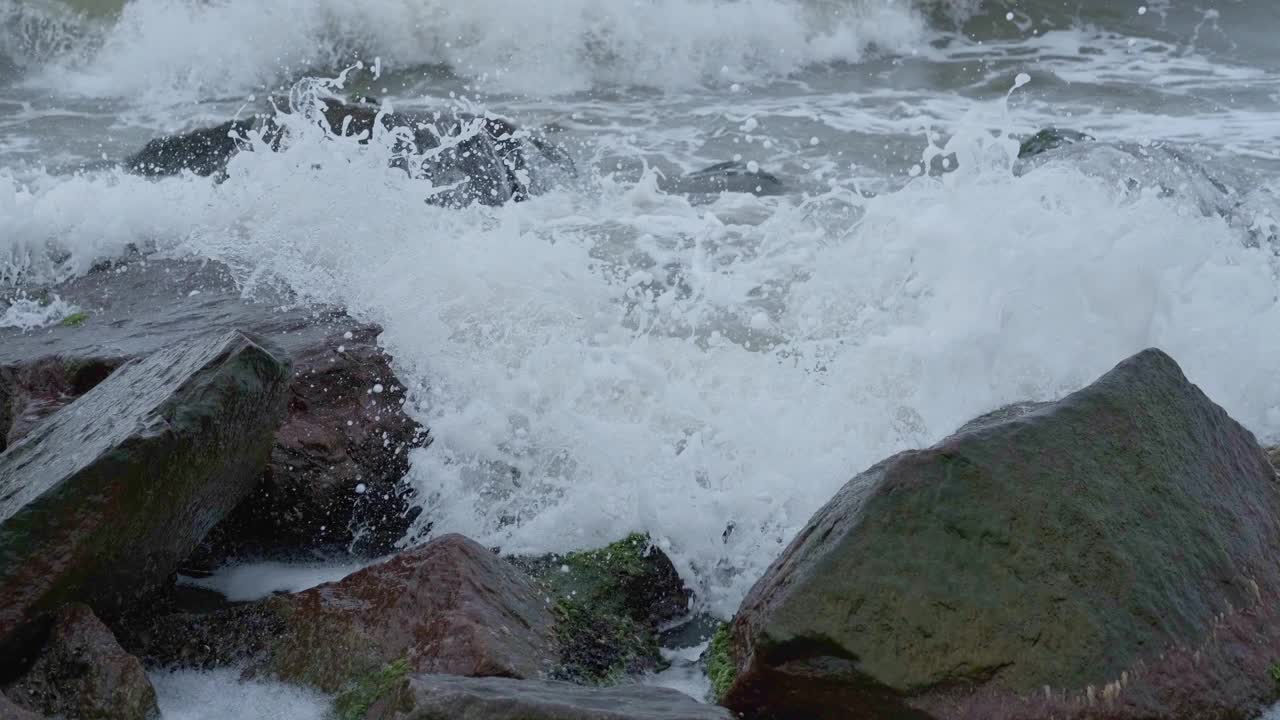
x=1110 y=555
x=729 y=176
x=10 y=711
x=100 y=503
x=83 y=673
x=444 y=697
x=338 y=433
x=1049 y=139
x=498 y=164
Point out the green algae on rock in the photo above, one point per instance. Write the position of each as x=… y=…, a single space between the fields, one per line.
x=1110 y=555
x=608 y=604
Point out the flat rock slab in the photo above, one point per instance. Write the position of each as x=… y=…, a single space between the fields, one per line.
x=83 y=673
x=449 y=606
x=101 y=502
x=345 y=426
x=445 y=697
x=1110 y=555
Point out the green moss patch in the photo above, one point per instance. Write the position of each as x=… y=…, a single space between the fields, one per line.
x=75 y=319
x=608 y=604
x=354 y=703
x=721 y=669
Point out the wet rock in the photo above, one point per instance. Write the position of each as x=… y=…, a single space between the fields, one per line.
x=1111 y=555
x=204 y=152
x=10 y=711
x=488 y=160
x=338 y=434
x=1049 y=139
x=449 y=606
x=730 y=176
x=609 y=605
x=443 y=697
x=83 y=673
x=100 y=503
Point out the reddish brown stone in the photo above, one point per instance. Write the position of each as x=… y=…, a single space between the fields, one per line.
x=450 y=606
x=83 y=673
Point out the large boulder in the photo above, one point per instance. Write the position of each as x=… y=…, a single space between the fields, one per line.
x=449 y=606
x=445 y=697
x=101 y=502
x=335 y=477
x=83 y=673
x=1110 y=555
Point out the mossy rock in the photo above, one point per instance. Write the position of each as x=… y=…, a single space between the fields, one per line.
x=721 y=667
x=609 y=604
x=75 y=319
x=355 y=701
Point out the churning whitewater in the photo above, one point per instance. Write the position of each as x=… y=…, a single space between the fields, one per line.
x=620 y=355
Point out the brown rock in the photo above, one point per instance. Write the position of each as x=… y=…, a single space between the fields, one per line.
x=449 y=606
x=83 y=673
x=1109 y=556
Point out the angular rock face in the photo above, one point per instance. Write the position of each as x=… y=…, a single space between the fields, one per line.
x=101 y=502
x=1111 y=555
x=443 y=697
x=339 y=433
x=83 y=673
x=449 y=606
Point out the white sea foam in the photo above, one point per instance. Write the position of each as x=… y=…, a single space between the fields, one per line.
x=255 y=580
x=220 y=694
x=180 y=50
x=709 y=374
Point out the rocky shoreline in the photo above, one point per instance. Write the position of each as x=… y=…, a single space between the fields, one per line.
x=1111 y=555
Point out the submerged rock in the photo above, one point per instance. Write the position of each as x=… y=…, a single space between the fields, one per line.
x=449 y=606
x=444 y=697
x=732 y=176
x=469 y=158
x=609 y=605
x=1049 y=139
x=338 y=434
x=1110 y=555
x=204 y=152
x=83 y=673
x=101 y=502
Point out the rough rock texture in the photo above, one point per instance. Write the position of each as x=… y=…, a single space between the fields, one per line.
x=308 y=496
x=10 y=711
x=83 y=673
x=443 y=697
x=449 y=606
x=1111 y=555
x=101 y=502
x=609 y=604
